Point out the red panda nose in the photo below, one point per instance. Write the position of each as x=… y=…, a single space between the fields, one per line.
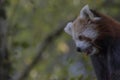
x=79 y=49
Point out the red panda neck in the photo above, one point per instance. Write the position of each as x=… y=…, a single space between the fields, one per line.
x=108 y=26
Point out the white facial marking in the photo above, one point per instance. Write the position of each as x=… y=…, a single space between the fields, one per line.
x=68 y=28
x=90 y=33
x=82 y=44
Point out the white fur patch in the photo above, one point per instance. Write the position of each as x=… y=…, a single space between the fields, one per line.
x=82 y=44
x=68 y=28
x=90 y=33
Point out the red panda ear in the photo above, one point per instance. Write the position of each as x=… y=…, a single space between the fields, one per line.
x=68 y=28
x=86 y=13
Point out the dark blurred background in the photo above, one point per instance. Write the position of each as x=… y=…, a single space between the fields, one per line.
x=38 y=47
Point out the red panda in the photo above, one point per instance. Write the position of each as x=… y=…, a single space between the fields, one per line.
x=98 y=35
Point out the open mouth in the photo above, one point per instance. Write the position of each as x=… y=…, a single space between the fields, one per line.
x=88 y=51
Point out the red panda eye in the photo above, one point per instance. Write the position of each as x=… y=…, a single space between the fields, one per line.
x=81 y=38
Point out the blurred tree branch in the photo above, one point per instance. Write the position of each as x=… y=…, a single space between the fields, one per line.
x=49 y=39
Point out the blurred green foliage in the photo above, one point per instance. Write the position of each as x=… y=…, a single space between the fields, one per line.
x=30 y=21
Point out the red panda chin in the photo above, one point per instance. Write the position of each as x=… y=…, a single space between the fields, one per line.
x=91 y=51
x=88 y=51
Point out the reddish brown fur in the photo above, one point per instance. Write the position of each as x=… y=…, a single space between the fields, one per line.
x=107 y=62
x=107 y=26
x=79 y=24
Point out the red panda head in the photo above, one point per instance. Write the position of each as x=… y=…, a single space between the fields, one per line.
x=84 y=31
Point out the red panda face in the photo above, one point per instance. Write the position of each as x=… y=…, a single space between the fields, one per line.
x=83 y=31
